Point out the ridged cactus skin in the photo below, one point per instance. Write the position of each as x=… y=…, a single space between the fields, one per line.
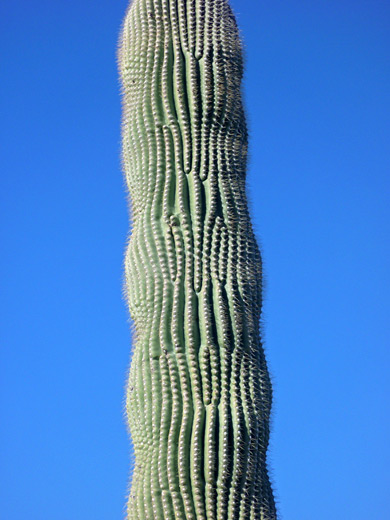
x=199 y=393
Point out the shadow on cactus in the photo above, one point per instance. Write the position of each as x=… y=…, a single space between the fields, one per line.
x=199 y=393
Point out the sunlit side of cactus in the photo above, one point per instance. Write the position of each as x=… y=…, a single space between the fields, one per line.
x=199 y=393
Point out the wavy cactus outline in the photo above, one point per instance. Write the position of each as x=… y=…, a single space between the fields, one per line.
x=199 y=393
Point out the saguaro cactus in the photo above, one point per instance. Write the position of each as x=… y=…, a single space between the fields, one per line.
x=199 y=393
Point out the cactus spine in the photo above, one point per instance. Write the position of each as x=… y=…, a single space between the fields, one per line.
x=199 y=393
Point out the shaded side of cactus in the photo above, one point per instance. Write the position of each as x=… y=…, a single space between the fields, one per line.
x=199 y=393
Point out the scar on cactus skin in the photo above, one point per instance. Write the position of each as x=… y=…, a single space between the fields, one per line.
x=199 y=393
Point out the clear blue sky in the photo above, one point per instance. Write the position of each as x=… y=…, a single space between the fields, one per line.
x=317 y=89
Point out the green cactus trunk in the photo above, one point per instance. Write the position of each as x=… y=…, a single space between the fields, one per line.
x=199 y=393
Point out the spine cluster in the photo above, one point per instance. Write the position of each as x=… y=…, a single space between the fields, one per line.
x=199 y=393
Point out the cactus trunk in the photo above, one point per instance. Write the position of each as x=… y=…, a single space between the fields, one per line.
x=199 y=393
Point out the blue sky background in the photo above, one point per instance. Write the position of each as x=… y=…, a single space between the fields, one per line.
x=317 y=90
